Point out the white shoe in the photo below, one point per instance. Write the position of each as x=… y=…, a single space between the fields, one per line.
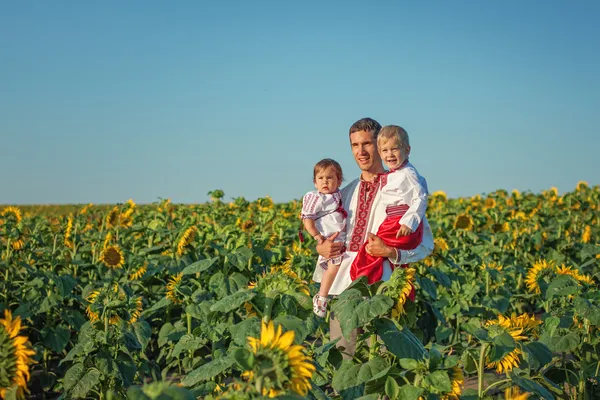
x=320 y=305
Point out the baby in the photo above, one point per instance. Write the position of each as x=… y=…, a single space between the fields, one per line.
x=322 y=216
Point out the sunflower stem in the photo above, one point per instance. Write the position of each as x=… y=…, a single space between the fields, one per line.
x=268 y=309
x=496 y=384
x=480 y=370
x=372 y=348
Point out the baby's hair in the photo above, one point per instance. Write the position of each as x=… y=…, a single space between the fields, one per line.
x=394 y=132
x=326 y=163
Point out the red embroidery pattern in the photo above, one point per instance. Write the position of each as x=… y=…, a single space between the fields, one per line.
x=366 y=195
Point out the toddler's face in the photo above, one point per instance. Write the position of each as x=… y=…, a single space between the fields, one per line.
x=392 y=153
x=327 y=181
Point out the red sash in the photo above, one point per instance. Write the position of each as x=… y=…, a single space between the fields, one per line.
x=372 y=267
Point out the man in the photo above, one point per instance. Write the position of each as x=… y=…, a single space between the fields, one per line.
x=360 y=198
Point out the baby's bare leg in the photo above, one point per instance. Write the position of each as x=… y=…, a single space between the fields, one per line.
x=328 y=278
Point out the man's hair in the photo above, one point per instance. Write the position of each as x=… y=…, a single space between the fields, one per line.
x=326 y=163
x=394 y=132
x=368 y=125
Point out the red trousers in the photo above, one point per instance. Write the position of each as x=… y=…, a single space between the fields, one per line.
x=372 y=267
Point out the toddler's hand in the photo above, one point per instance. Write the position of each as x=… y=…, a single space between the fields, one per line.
x=320 y=239
x=403 y=231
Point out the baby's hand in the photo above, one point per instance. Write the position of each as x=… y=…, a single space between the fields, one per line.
x=403 y=231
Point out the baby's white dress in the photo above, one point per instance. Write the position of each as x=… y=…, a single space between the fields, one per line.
x=330 y=217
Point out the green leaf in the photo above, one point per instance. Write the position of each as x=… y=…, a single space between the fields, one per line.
x=531 y=386
x=239 y=258
x=157 y=306
x=56 y=339
x=143 y=332
x=540 y=352
x=562 y=285
x=408 y=363
x=85 y=384
x=233 y=301
x=209 y=370
x=199 y=266
x=410 y=392
x=587 y=310
x=73 y=375
x=392 y=390
x=64 y=284
x=244 y=329
x=245 y=358
x=402 y=343
x=441 y=277
x=477 y=331
x=566 y=343
x=126 y=367
x=188 y=343
x=440 y=381
x=501 y=346
x=299 y=326
x=550 y=325
x=353 y=310
x=350 y=375
x=429 y=287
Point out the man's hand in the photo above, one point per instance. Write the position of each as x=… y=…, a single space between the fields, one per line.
x=328 y=248
x=403 y=231
x=377 y=248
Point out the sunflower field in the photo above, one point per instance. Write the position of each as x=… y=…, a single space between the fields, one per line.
x=214 y=301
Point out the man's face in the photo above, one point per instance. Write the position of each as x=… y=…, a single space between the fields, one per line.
x=364 y=149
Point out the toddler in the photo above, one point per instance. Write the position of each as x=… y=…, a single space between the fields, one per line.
x=403 y=193
x=322 y=216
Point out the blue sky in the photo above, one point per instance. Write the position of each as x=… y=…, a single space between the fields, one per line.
x=105 y=101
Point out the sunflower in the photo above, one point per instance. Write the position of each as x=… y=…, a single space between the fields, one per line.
x=107 y=240
x=582 y=185
x=399 y=287
x=91 y=313
x=279 y=364
x=172 y=286
x=164 y=205
x=67 y=240
x=539 y=269
x=112 y=257
x=18 y=244
x=138 y=273
x=113 y=217
x=137 y=309
x=457 y=378
x=490 y=202
x=520 y=328
x=440 y=245
x=85 y=209
x=15 y=357
x=504 y=227
x=514 y=393
x=186 y=239
x=464 y=221
x=13 y=213
x=440 y=195
x=114 y=304
x=516 y=194
x=586 y=235
x=564 y=270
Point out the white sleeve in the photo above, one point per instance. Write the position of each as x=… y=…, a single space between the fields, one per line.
x=418 y=203
x=312 y=203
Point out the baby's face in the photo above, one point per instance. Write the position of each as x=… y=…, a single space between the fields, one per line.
x=327 y=181
x=392 y=153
